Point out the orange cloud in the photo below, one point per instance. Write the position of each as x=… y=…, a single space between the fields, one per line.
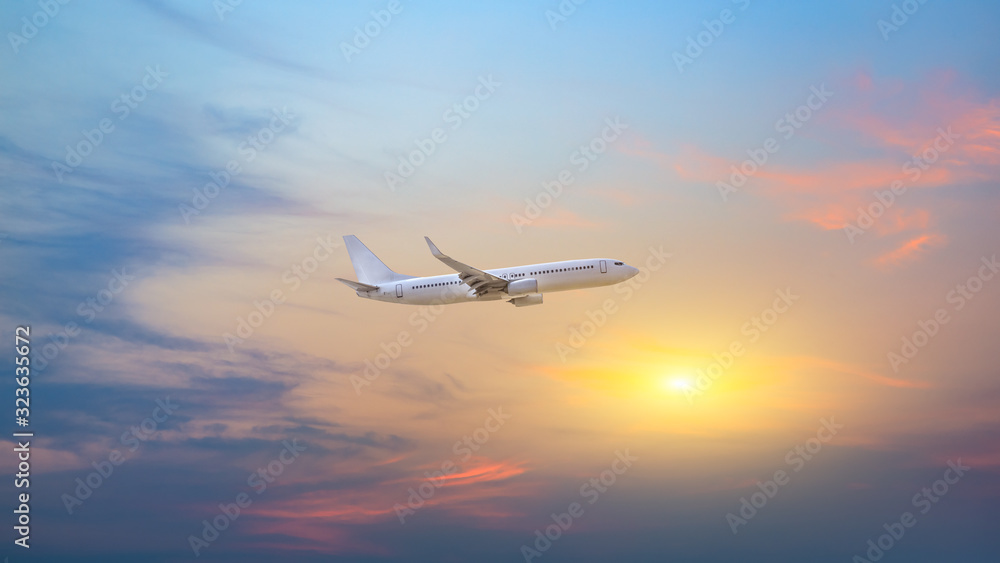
x=479 y=480
x=902 y=122
x=911 y=249
x=693 y=164
x=561 y=217
x=486 y=472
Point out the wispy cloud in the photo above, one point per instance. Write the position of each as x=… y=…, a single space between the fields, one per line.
x=873 y=137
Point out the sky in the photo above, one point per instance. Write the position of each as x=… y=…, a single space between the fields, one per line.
x=803 y=369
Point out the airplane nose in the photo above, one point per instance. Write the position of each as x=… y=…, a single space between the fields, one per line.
x=632 y=271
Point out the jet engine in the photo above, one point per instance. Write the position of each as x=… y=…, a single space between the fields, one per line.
x=527 y=300
x=522 y=287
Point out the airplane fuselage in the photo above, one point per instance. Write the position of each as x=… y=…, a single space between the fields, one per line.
x=548 y=277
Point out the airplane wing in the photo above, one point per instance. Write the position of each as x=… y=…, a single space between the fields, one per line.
x=481 y=282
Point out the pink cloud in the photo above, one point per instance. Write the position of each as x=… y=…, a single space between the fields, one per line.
x=555 y=217
x=895 y=120
x=911 y=249
x=479 y=480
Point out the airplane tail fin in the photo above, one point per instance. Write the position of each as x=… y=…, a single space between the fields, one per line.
x=370 y=270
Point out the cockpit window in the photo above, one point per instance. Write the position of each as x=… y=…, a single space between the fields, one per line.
x=618 y=264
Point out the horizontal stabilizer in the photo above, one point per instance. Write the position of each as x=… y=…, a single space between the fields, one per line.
x=357 y=286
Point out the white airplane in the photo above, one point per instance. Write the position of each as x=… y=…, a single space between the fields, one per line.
x=520 y=285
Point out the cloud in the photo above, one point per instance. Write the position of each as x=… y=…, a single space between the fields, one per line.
x=374 y=498
x=911 y=249
x=554 y=217
x=226 y=39
x=932 y=136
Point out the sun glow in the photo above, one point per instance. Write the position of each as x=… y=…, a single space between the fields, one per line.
x=677 y=383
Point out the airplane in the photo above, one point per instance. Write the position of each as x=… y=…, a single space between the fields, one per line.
x=522 y=286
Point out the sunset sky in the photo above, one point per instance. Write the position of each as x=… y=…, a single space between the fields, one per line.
x=809 y=352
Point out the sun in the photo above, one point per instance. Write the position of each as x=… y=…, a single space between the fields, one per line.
x=676 y=383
